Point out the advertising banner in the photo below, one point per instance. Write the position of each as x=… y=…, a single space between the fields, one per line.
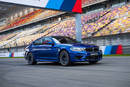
x=19 y=54
x=63 y=5
x=4 y=54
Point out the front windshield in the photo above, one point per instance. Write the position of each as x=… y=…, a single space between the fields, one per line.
x=64 y=40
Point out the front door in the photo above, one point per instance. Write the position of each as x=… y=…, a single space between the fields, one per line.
x=45 y=50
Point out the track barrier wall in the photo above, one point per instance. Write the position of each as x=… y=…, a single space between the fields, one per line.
x=112 y=49
x=106 y=50
x=12 y=54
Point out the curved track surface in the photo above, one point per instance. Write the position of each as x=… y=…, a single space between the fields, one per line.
x=110 y=72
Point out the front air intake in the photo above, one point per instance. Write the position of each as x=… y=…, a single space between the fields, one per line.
x=92 y=49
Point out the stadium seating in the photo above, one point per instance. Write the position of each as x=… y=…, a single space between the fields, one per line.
x=104 y=22
x=120 y=25
x=24 y=19
x=7 y=37
x=36 y=15
x=24 y=37
x=88 y=2
x=33 y=16
x=1 y=27
x=46 y=14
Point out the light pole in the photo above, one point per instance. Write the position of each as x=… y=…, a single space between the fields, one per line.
x=78 y=27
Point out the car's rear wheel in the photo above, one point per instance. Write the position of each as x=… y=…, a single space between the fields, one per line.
x=64 y=58
x=31 y=60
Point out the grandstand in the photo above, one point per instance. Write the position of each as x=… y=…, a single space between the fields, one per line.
x=100 y=19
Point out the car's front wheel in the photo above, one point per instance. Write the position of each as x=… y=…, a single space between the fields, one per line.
x=31 y=60
x=64 y=58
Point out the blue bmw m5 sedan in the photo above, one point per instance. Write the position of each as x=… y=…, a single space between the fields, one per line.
x=61 y=49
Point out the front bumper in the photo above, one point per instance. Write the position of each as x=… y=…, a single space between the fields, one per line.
x=25 y=55
x=86 y=56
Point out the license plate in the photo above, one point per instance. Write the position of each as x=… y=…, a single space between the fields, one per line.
x=94 y=54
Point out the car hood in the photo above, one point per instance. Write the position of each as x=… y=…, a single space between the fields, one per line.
x=79 y=45
x=83 y=45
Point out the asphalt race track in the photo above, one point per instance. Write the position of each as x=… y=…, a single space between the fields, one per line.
x=111 y=72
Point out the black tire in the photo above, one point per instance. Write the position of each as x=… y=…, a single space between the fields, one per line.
x=93 y=62
x=31 y=60
x=64 y=58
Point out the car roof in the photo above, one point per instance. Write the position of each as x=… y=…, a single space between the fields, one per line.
x=53 y=37
x=58 y=36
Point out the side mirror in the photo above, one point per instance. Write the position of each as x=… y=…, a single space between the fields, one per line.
x=52 y=44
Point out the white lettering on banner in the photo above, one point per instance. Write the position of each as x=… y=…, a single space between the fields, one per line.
x=4 y=54
x=16 y=54
x=19 y=54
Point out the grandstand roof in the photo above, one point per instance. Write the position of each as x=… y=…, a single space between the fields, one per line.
x=6 y=9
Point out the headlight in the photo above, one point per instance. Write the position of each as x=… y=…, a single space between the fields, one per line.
x=26 y=49
x=77 y=49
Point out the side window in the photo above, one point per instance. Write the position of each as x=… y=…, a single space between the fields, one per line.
x=38 y=42
x=43 y=41
x=46 y=41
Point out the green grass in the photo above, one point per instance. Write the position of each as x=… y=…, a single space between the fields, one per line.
x=10 y=57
